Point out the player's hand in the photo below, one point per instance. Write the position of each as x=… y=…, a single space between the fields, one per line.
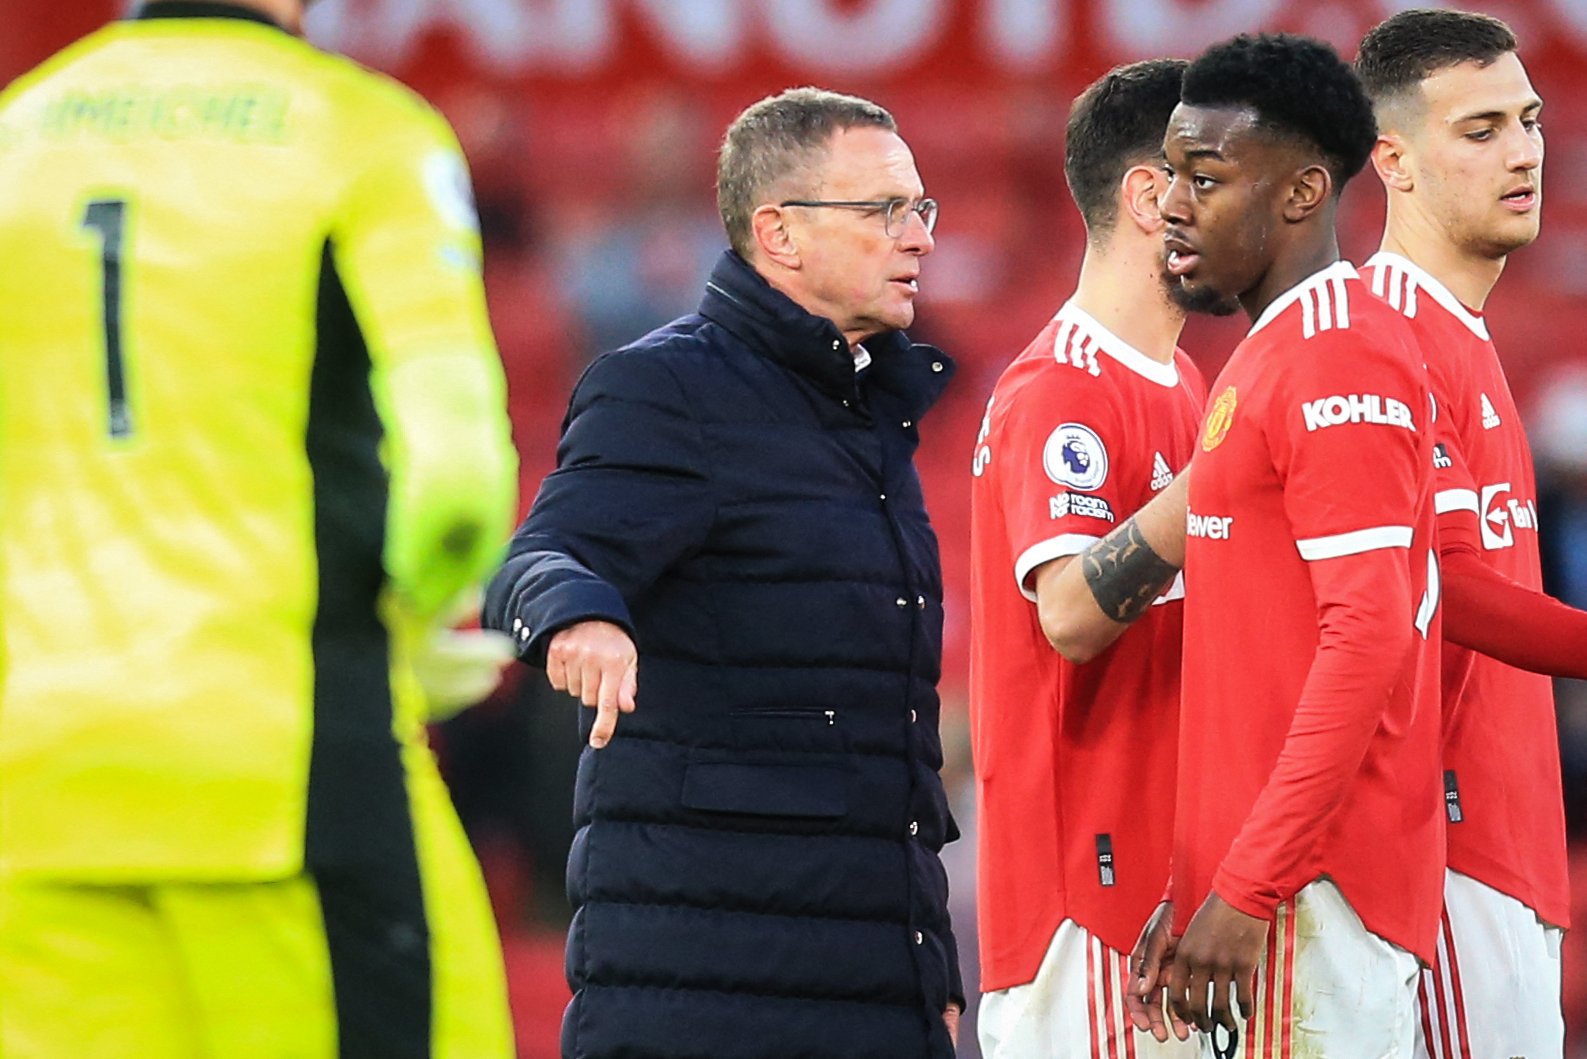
x=1217 y=955
x=950 y=1018
x=1149 y=967
x=459 y=667
x=596 y=663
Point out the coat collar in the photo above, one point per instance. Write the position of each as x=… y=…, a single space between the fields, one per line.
x=201 y=9
x=774 y=326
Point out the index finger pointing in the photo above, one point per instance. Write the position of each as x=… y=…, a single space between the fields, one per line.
x=605 y=726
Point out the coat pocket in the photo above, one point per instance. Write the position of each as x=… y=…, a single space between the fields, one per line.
x=820 y=791
x=787 y=713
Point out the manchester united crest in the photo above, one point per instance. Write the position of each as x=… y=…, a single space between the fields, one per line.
x=1219 y=418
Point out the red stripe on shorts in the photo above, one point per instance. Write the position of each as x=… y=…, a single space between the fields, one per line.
x=1109 y=1005
x=1091 y=995
x=1443 y=1006
x=1427 y=1015
x=1129 y=1027
x=1270 y=987
x=1454 y=980
x=1289 y=974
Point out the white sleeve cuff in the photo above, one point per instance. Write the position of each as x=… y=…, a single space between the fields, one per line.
x=1046 y=551
x=1455 y=500
x=1366 y=540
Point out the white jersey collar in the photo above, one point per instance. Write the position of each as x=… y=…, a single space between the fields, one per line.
x=1118 y=349
x=1341 y=270
x=1428 y=282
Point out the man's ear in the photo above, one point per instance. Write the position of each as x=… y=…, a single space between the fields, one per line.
x=1310 y=188
x=1140 y=190
x=773 y=240
x=1391 y=157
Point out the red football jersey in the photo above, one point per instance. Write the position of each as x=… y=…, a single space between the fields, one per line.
x=1074 y=764
x=1501 y=748
x=1309 y=719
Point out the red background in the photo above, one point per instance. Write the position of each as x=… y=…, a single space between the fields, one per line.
x=579 y=114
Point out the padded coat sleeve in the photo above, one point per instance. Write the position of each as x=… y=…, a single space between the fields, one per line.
x=632 y=494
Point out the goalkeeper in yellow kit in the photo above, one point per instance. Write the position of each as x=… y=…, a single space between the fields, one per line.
x=253 y=448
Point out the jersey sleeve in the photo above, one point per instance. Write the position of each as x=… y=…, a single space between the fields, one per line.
x=1345 y=439
x=405 y=248
x=1053 y=458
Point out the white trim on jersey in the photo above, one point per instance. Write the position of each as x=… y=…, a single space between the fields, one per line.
x=1046 y=551
x=1401 y=278
x=1455 y=500
x=1354 y=542
x=1072 y=316
x=1074 y=346
x=1321 y=309
x=1394 y=285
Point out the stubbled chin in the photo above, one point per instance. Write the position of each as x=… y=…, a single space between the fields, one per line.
x=1516 y=231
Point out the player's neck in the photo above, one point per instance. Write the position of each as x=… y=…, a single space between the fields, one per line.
x=1305 y=255
x=1419 y=240
x=1121 y=287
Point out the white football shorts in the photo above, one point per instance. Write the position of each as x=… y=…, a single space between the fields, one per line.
x=1072 y=1009
x=1495 y=991
x=1328 y=987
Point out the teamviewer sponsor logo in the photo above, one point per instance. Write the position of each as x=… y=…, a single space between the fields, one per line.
x=1501 y=517
x=1212 y=527
x=1356 y=408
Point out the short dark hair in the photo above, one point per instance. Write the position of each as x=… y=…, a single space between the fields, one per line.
x=775 y=138
x=1116 y=123
x=1402 y=52
x=1298 y=87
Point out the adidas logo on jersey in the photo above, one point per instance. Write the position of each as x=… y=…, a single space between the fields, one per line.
x=1490 y=418
x=1161 y=474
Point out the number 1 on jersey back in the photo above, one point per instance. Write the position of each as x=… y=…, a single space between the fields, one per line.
x=108 y=217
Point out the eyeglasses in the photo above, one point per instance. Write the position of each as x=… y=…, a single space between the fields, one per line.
x=894 y=212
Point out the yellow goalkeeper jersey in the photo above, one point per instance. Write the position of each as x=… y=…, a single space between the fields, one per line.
x=252 y=437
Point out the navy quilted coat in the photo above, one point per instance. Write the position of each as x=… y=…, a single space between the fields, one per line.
x=755 y=870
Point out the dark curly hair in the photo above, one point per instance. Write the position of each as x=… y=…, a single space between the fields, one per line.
x=1116 y=123
x=1298 y=87
x=1401 y=53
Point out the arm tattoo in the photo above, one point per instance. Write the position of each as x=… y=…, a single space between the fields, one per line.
x=1124 y=574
